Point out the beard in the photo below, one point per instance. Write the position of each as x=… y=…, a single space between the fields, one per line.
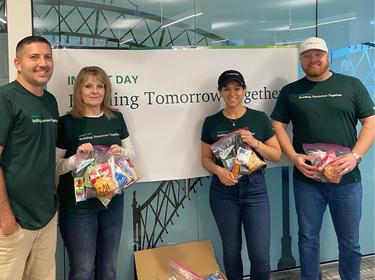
x=316 y=70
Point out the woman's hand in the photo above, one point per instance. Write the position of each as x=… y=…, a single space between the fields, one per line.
x=83 y=150
x=226 y=177
x=269 y=149
x=115 y=150
x=249 y=139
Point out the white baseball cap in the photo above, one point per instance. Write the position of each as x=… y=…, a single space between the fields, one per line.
x=313 y=43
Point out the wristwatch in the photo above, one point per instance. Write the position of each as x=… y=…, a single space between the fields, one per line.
x=357 y=157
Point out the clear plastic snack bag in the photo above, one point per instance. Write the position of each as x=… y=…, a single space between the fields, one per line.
x=236 y=155
x=100 y=175
x=215 y=276
x=94 y=176
x=323 y=156
x=177 y=271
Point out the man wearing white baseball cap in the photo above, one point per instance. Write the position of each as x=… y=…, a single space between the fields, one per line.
x=313 y=43
x=325 y=107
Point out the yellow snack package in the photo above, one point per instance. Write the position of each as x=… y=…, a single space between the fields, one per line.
x=249 y=159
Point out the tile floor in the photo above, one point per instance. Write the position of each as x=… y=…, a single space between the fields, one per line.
x=329 y=271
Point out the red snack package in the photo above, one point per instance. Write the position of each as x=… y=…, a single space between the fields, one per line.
x=102 y=178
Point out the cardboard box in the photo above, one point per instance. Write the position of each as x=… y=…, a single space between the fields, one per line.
x=198 y=256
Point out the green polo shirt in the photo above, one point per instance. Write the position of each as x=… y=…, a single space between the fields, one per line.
x=28 y=128
x=324 y=112
x=73 y=132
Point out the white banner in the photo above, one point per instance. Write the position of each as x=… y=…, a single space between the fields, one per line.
x=165 y=95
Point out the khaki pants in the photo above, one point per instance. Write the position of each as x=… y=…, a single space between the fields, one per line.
x=29 y=254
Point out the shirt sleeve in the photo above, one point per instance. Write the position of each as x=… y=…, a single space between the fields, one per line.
x=64 y=165
x=281 y=112
x=127 y=148
x=268 y=130
x=205 y=136
x=124 y=128
x=5 y=119
x=364 y=103
x=61 y=134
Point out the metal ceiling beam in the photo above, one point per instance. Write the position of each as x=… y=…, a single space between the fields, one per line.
x=148 y=32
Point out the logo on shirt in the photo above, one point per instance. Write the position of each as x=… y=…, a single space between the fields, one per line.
x=318 y=96
x=38 y=119
x=225 y=132
x=222 y=133
x=91 y=136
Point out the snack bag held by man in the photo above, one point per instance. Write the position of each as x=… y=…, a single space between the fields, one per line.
x=322 y=156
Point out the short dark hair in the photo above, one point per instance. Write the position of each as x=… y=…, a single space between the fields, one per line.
x=29 y=40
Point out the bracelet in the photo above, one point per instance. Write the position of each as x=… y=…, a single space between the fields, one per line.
x=357 y=157
x=257 y=145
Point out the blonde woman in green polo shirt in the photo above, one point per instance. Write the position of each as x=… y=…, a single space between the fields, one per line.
x=90 y=231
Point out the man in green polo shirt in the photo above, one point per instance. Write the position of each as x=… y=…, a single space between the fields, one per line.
x=28 y=129
x=324 y=107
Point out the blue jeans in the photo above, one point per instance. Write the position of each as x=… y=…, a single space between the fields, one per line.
x=345 y=204
x=245 y=204
x=92 y=241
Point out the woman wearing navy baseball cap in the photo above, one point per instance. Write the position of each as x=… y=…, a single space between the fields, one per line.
x=243 y=201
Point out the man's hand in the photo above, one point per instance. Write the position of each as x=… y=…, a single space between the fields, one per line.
x=8 y=224
x=344 y=164
x=299 y=160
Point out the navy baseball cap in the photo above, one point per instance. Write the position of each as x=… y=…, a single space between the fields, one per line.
x=230 y=75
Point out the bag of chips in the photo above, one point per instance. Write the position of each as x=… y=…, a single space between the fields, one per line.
x=236 y=155
x=323 y=156
x=100 y=175
x=248 y=158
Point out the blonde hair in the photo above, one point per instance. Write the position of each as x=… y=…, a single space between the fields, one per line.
x=78 y=108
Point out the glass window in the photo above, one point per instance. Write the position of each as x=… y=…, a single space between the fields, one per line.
x=168 y=23
x=4 y=71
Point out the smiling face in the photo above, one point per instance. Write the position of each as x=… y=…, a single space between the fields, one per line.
x=34 y=66
x=92 y=93
x=314 y=63
x=233 y=94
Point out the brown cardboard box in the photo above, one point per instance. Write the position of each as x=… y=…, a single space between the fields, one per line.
x=198 y=256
